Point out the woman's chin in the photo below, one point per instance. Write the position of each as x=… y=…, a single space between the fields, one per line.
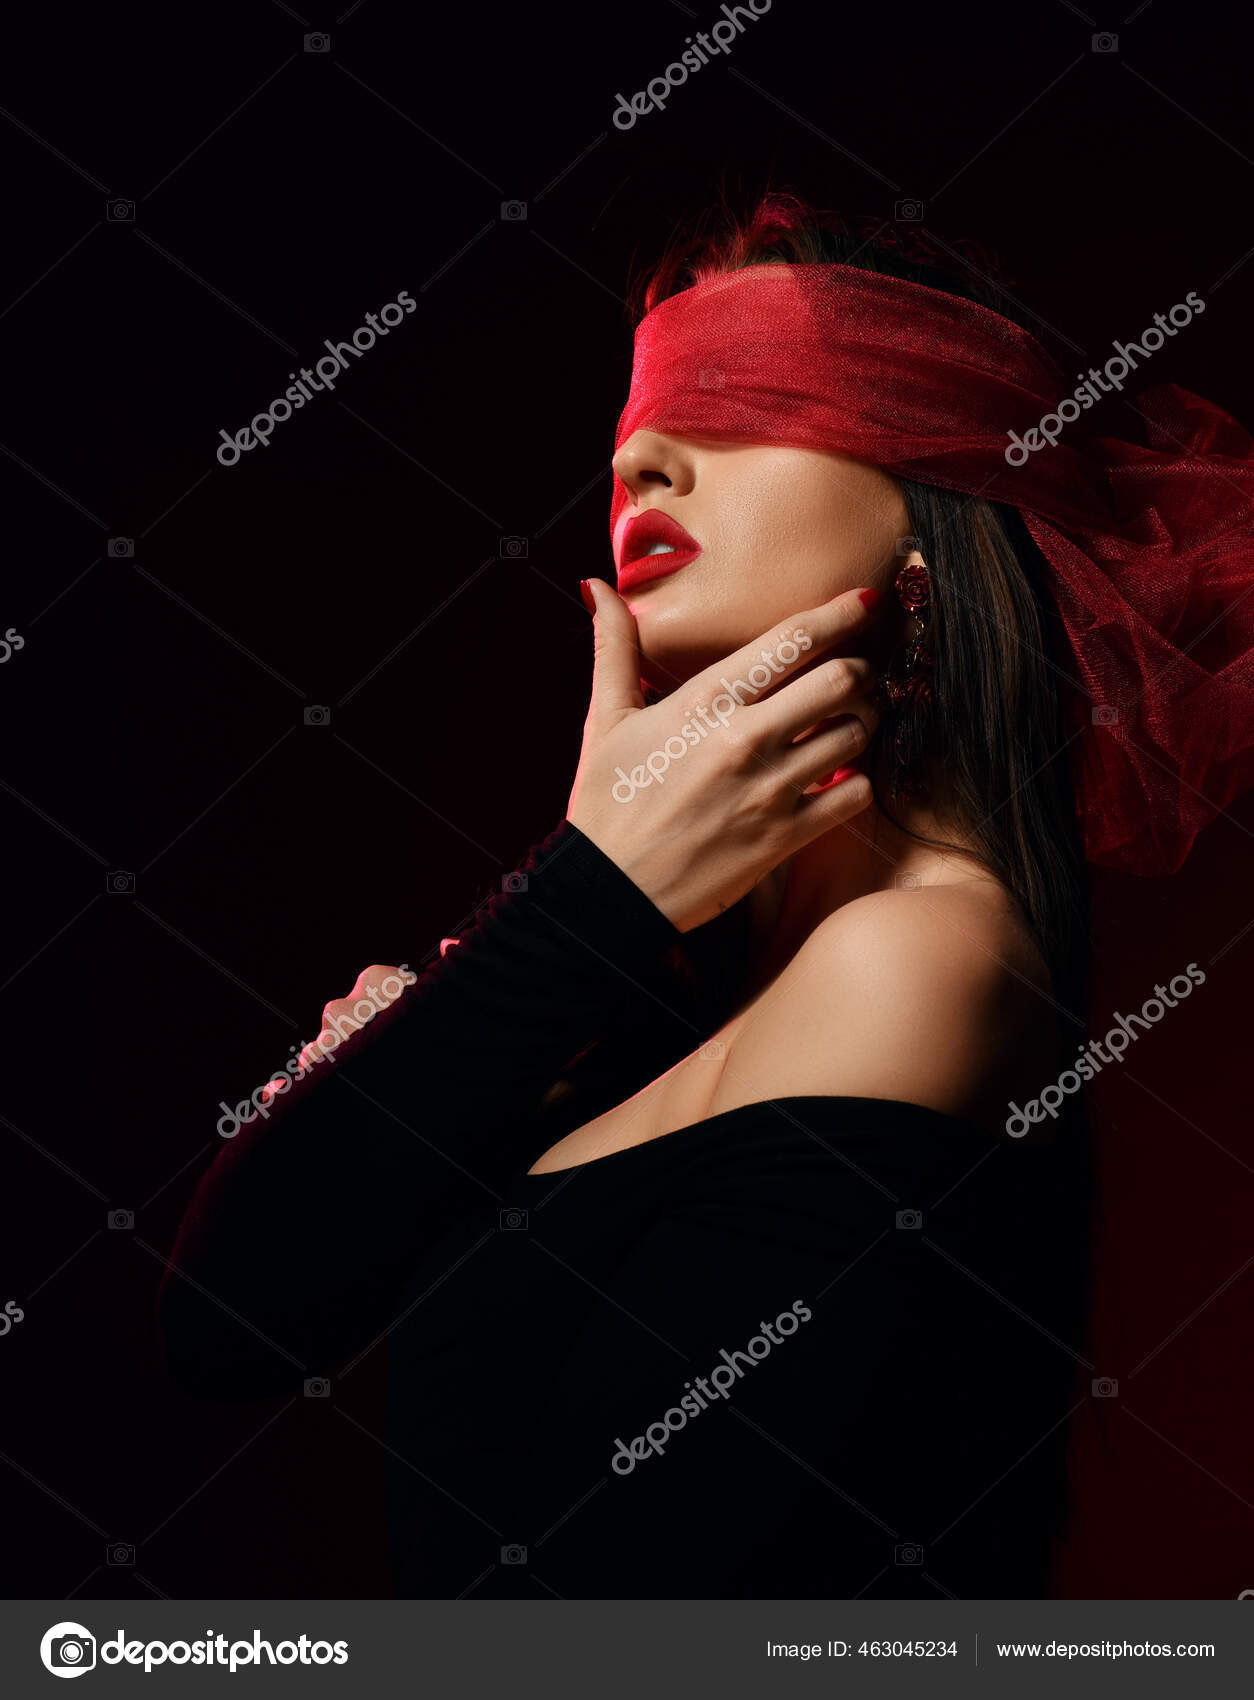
x=677 y=643
x=667 y=662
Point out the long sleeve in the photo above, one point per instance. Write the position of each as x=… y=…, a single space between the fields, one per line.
x=304 y=1224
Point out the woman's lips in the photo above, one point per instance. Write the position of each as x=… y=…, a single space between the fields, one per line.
x=653 y=546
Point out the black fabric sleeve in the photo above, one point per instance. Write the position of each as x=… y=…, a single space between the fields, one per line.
x=304 y=1223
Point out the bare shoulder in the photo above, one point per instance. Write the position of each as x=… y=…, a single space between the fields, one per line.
x=937 y=996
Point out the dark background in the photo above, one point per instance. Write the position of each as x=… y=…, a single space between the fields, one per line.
x=156 y=711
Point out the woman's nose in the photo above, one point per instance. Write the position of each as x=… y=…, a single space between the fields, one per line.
x=648 y=460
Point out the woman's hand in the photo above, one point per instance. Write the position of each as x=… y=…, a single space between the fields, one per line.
x=373 y=990
x=698 y=796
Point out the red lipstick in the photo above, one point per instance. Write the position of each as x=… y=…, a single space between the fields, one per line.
x=649 y=531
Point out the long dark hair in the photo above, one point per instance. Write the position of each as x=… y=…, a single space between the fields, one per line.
x=990 y=751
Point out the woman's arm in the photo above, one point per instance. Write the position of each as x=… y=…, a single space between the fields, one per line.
x=298 y=1233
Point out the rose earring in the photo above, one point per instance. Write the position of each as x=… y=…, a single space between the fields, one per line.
x=907 y=687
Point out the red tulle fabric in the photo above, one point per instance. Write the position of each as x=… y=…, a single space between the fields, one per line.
x=1151 y=549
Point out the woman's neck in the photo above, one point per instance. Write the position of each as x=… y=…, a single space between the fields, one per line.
x=867 y=855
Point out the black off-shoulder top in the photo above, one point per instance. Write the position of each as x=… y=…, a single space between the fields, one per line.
x=817 y=1347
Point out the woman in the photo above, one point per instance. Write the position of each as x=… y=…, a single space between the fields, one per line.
x=700 y=1189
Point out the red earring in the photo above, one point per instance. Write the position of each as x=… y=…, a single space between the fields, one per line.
x=908 y=687
x=911 y=682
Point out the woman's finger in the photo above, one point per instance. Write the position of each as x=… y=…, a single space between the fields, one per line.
x=616 y=655
x=841 y=800
x=751 y=674
x=840 y=685
x=817 y=757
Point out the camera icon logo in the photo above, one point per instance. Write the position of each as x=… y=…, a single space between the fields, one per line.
x=1105 y=715
x=121 y=548
x=513 y=882
x=513 y=212
x=908 y=1553
x=908 y=212
x=907 y=882
x=318 y=1387
x=119 y=1553
x=121 y=1218
x=319 y=42
x=514 y=549
x=120 y=212
x=1105 y=1387
x=68 y=1649
x=513 y=1555
x=909 y=1218
x=908 y=545
x=1105 y=43
x=317 y=714
x=120 y=883
x=513 y=1221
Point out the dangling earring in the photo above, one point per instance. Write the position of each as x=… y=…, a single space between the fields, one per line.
x=907 y=686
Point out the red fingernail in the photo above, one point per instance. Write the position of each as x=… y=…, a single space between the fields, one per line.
x=840 y=773
x=871 y=597
x=589 y=601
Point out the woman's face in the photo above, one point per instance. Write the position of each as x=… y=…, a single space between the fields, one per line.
x=779 y=530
